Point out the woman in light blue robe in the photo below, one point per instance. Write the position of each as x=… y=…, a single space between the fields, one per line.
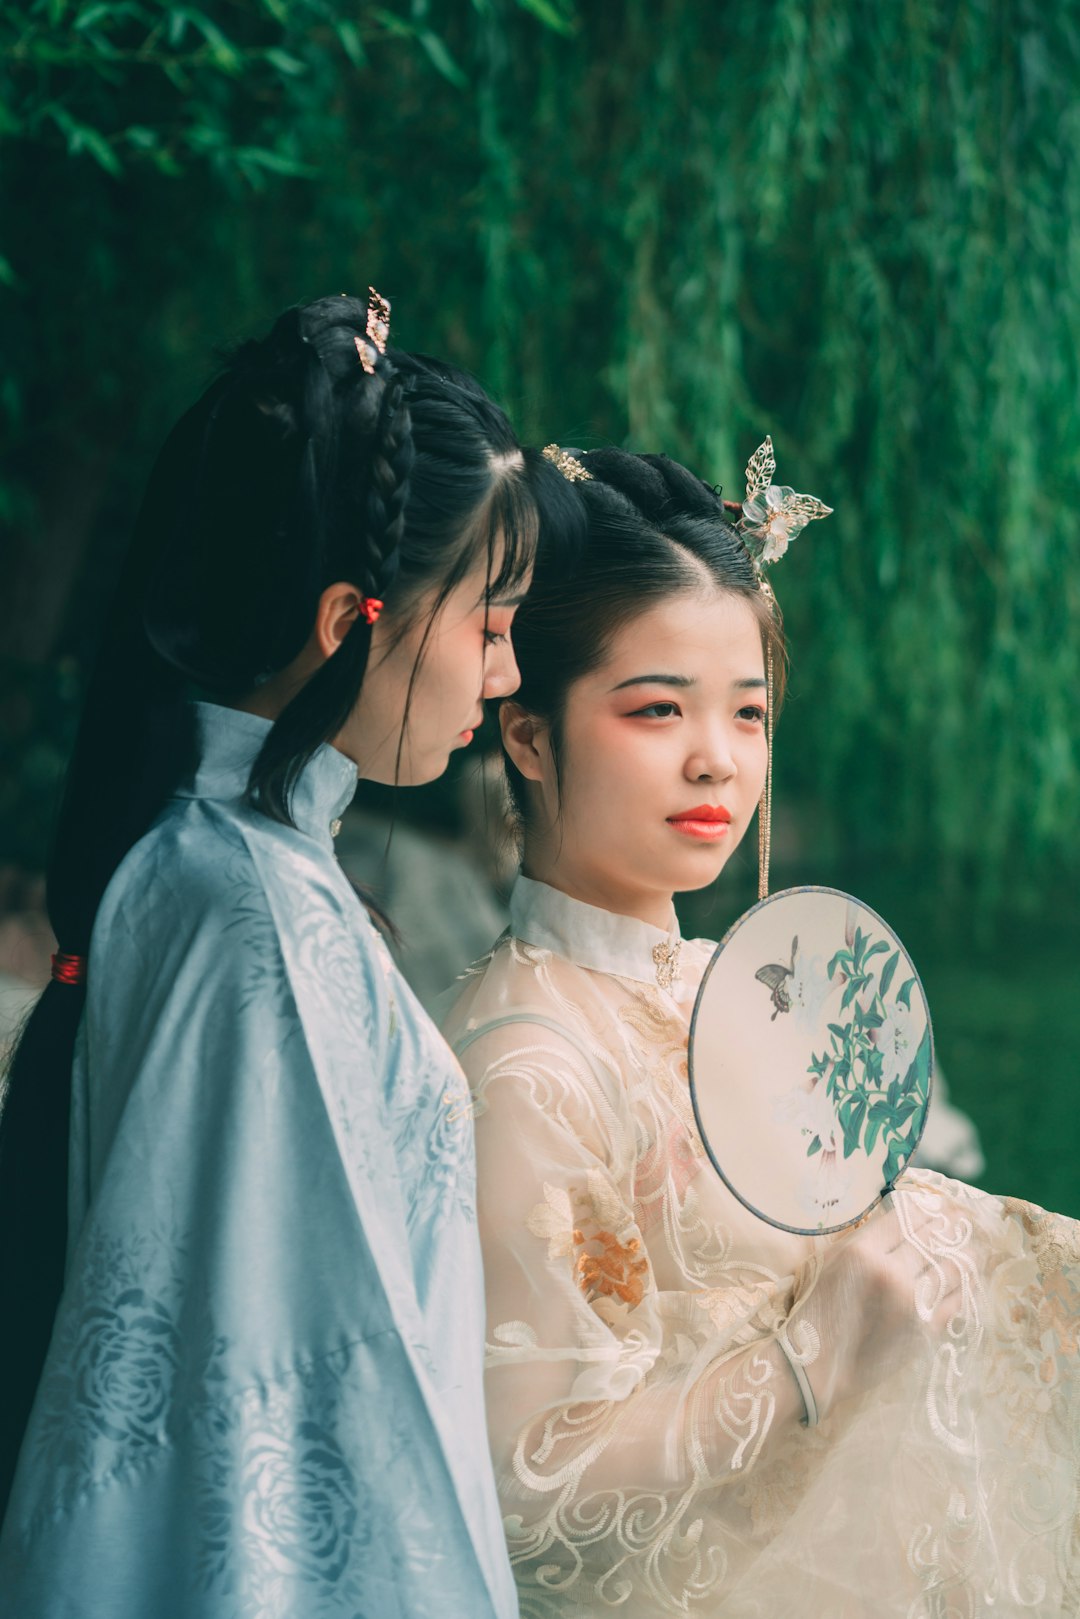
x=262 y=1396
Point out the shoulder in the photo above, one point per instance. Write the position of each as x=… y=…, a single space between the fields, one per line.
x=527 y=1033
x=239 y=888
x=192 y=856
x=515 y=985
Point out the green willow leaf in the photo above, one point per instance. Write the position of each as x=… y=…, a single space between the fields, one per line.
x=550 y=14
x=92 y=15
x=261 y=157
x=285 y=63
x=441 y=59
x=393 y=23
x=351 y=43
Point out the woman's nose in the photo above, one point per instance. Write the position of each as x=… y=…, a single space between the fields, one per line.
x=712 y=761
x=501 y=673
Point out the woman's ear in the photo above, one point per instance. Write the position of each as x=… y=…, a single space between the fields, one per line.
x=525 y=739
x=339 y=607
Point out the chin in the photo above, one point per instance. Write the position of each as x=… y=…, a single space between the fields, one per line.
x=691 y=884
x=420 y=775
x=696 y=874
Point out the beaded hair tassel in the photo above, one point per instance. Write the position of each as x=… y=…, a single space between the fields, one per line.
x=765 y=802
x=768 y=520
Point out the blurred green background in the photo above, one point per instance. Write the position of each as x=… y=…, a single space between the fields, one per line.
x=669 y=226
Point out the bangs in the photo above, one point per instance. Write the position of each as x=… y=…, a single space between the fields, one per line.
x=506 y=532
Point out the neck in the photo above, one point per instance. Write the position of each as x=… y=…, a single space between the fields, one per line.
x=267 y=702
x=602 y=889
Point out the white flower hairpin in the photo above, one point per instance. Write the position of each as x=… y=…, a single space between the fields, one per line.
x=772 y=514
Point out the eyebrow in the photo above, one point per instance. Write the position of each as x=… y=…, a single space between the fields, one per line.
x=502 y=601
x=656 y=680
x=682 y=681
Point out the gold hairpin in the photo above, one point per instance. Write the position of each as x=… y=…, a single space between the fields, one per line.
x=377 y=333
x=772 y=514
x=571 y=469
x=378 y=320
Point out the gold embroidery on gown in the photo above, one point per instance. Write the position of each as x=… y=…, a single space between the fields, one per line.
x=644 y=1423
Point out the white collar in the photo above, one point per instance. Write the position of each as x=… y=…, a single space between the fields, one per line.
x=594 y=938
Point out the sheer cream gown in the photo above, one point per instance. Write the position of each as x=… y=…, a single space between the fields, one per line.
x=646 y=1424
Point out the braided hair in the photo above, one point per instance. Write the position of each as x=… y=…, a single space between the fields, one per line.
x=653 y=529
x=297 y=468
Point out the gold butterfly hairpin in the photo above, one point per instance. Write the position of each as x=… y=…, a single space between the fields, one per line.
x=772 y=514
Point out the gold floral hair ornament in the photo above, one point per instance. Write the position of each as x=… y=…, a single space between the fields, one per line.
x=772 y=514
x=571 y=469
x=378 y=331
x=378 y=320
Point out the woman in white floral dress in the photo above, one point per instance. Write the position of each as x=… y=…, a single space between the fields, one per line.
x=654 y=1450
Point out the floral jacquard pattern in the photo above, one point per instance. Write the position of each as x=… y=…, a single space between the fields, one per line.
x=107 y=1396
x=279 y=1495
x=275 y=1492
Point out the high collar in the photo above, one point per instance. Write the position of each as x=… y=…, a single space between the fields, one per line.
x=589 y=936
x=228 y=743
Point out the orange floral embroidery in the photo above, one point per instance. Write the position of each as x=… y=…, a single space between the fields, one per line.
x=608 y=1268
x=617 y=1271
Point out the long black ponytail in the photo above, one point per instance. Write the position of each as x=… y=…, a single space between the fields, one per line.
x=298 y=467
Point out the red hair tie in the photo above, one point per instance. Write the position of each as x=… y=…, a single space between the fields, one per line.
x=67 y=969
x=370 y=607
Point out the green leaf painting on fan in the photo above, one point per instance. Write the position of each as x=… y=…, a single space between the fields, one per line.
x=870 y=1084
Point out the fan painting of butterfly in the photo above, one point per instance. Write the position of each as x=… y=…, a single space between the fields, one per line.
x=775 y=976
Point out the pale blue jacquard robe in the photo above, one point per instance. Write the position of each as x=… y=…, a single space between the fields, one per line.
x=263 y=1397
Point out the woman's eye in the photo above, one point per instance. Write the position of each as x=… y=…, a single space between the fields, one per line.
x=753 y=713
x=495 y=637
x=658 y=711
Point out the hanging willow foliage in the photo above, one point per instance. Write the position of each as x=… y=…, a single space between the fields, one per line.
x=680 y=227
x=857 y=228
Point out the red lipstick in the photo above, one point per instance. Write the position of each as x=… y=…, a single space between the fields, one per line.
x=709 y=822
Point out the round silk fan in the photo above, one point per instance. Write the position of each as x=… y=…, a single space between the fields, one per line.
x=811 y=1059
